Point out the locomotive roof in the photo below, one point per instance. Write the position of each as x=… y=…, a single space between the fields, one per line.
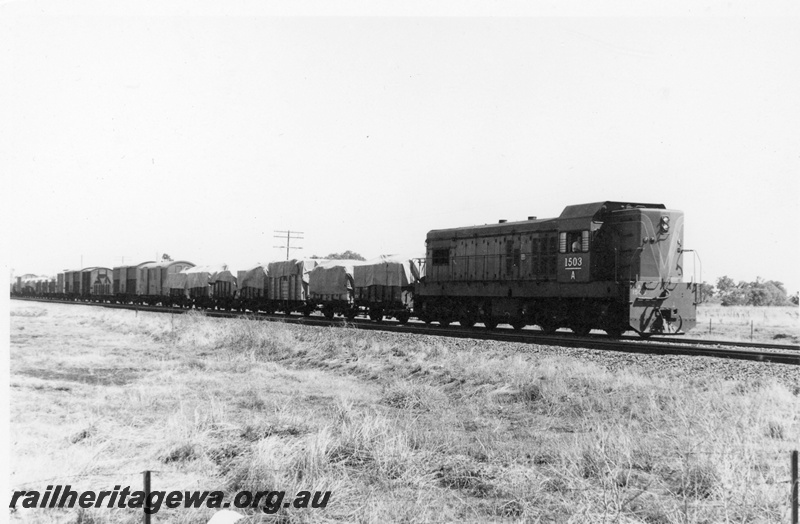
x=573 y=217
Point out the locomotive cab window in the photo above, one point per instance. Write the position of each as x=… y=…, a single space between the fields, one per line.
x=440 y=257
x=573 y=242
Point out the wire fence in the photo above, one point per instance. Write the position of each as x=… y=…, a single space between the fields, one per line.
x=689 y=490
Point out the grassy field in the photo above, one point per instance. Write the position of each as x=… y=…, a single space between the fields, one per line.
x=399 y=428
x=778 y=325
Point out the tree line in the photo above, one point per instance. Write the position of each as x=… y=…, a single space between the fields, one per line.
x=757 y=293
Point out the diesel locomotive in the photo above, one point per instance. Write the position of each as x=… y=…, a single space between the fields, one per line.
x=613 y=266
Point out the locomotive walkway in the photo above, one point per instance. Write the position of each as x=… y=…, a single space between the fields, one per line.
x=773 y=353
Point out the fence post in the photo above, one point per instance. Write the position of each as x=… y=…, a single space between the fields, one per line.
x=794 y=487
x=146 y=505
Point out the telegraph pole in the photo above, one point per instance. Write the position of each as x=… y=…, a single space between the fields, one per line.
x=289 y=238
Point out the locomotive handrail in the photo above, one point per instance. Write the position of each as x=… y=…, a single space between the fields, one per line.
x=696 y=256
x=630 y=263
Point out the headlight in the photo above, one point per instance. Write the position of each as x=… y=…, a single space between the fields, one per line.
x=664 y=224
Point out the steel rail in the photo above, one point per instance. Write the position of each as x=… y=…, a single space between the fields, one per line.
x=788 y=354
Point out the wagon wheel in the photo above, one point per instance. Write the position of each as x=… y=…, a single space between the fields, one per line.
x=613 y=332
x=403 y=317
x=307 y=312
x=644 y=334
x=328 y=313
x=581 y=329
x=490 y=323
x=466 y=320
x=445 y=321
x=376 y=315
x=350 y=314
x=548 y=326
x=518 y=324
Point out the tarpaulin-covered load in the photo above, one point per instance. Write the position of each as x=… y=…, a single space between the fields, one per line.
x=387 y=278
x=332 y=280
x=46 y=285
x=40 y=285
x=176 y=283
x=288 y=279
x=253 y=282
x=20 y=282
x=213 y=280
x=152 y=277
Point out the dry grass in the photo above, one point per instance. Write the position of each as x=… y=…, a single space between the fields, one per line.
x=398 y=428
x=779 y=325
x=28 y=312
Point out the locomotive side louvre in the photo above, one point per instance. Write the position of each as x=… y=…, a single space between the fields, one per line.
x=494 y=256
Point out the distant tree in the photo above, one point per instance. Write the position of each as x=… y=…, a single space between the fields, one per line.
x=766 y=293
x=757 y=293
x=725 y=284
x=346 y=255
x=730 y=293
x=795 y=299
x=757 y=296
x=165 y=257
x=706 y=291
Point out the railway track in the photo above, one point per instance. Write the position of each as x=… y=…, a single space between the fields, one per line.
x=774 y=353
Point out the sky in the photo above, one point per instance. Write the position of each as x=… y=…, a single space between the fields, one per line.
x=130 y=132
